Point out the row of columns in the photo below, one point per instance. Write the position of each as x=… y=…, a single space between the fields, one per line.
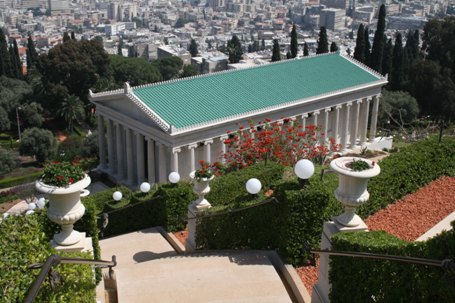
x=125 y=156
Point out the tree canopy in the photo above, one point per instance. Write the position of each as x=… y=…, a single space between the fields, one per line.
x=276 y=55
x=378 y=42
x=323 y=44
x=193 y=48
x=136 y=71
x=359 y=50
x=294 y=42
x=234 y=48
x=39 y=143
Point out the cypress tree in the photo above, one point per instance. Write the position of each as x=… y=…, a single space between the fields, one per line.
x=193 y=48
x=5 y=62
x=415 y=48
x=66 y=37
x=306 y=51
x=294 y=42
x=263 y=44
x=333 y=47
x=234 y=48
x=397 y=64
x=17 y=59
x=359 y=50
x=323 y=44
x=276 y=56
x=14 y=71
x=288 y=55
x=367 y=46
x=387 y=58
x=32 y=55
x=73 y=36
x=377 y=51
x=120 y=47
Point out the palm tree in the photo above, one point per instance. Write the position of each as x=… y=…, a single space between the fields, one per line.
x=71 y=109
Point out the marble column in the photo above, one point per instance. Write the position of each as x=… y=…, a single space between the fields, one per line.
x=337 y=122
x=344 y=137
x=374 y=118
x=151 y=161
x=366 y=112
x=120 y=155
x=175 y=159
x=315 y=117
x=326 y=124
x=129 y=156
x=304 y=118
x=356 y=114
x=191 y=147
x=223 y=148
x=208 y=150
x=102 y=142
x=140 y=159
x=110 y=146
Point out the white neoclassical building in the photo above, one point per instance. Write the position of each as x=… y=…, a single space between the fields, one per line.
x=152 y=130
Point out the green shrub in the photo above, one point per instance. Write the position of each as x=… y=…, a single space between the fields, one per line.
x=22 y=242
x=7 y=161
x=10 y=182
x=391 y=281
x=406 y=171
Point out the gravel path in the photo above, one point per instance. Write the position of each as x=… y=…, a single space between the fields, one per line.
x=408 y=218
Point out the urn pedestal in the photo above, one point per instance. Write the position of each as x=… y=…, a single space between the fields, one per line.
x=352 y=188
x=65 y=209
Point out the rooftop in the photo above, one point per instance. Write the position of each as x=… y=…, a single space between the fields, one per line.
x=196 y=100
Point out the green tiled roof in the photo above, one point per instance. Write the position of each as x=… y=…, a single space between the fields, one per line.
x=206 y=98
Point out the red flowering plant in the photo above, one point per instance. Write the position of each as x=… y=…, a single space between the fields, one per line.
x=62 y=174
x=208 y=170
x=283 y=142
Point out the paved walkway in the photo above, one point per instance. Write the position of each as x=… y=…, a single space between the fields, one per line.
x=150 y=271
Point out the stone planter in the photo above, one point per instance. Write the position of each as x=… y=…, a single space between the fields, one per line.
x=65 y=208
x=201 y=188
x=352 y=188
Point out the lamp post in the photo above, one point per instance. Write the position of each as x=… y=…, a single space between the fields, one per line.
x=253 y=186
x=304 y=169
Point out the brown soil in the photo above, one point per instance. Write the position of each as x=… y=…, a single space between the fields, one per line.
x=408 y=218
x=4 y=207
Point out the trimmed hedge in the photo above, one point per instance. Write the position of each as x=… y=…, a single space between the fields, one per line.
x=10 y=182
x=406 y=171
x=390 y=281
x=297 y=217
x=22 y=242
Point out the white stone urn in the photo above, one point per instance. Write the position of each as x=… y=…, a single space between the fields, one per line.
x=65 y=208
x=201 y=188
x=352 y=188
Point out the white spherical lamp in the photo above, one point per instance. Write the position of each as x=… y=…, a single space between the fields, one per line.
x=29 y=212
x=32 y=206
x=253 y=186
x=117 y=196
x=5 y=215
x=304 y=169
x=174 y=177
x=41 y=203
x=145 y=187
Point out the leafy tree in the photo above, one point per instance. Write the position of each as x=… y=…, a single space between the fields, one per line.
x=71 y=110
x=367 y=46
x=323 y=44
x=333 y=47
x=136 y=71
x=306 y=51
x=179 y=23
x=396 y=81
x=189 y=71
x=359 y=50
x=39 y=143
x=169 y=67
x=193 y=48
x=234 y=48
x=90 y=145
x=399 y=108
x=387 y=57
x=7 y=161
x=412 y=44
x=438 y=41
x=5 y=61
x=5 y=123
x=31 y=115
x=66 y=37
x=377 y=50
x=276 y=56
x=294 y=42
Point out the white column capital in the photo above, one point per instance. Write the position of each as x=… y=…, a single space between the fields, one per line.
x=349 y=103
x=316 y=112
x=369 y=98
x=338 y=107
x=305 y=116
x=210 y=141
x=176 y=150
x=359 y=101
x=327 y=109
x=192 y=145
x=224 y=137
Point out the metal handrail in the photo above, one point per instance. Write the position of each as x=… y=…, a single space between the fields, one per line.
x=55 y=260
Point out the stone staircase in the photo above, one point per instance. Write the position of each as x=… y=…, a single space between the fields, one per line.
x=150 y=270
